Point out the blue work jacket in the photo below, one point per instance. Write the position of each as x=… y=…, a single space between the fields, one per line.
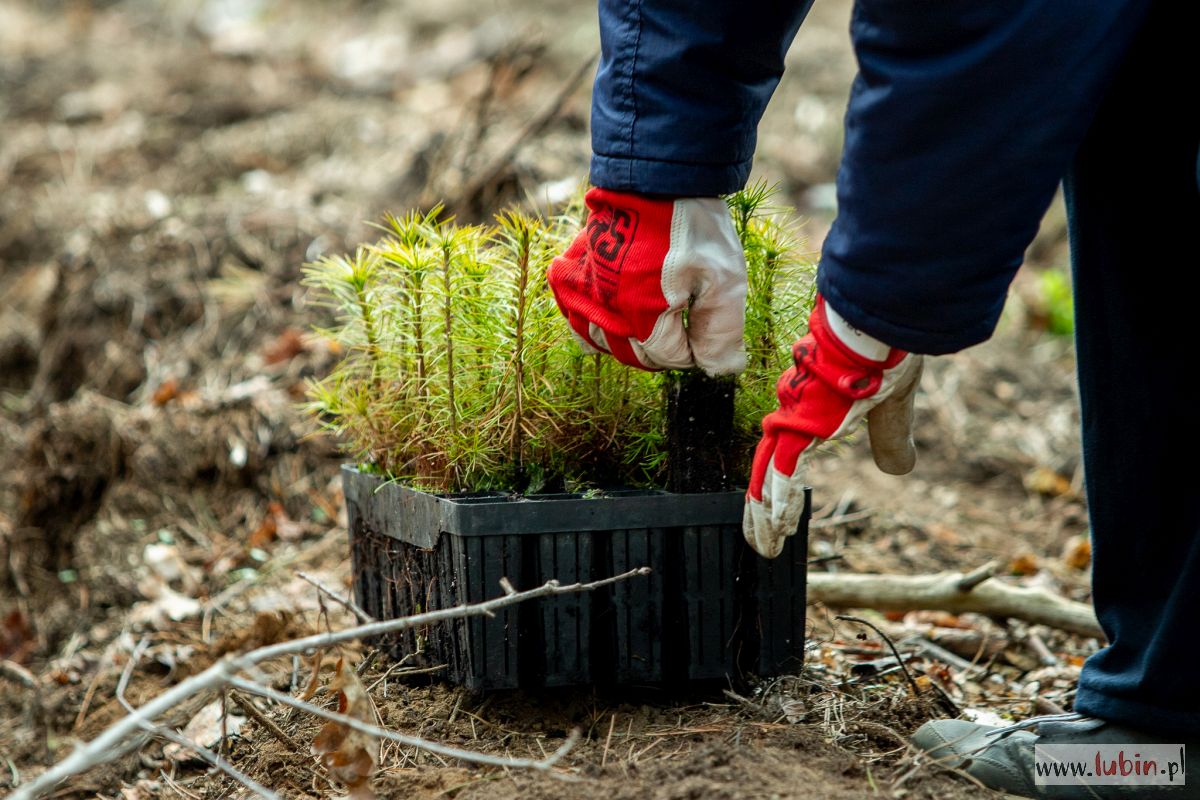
x=963 y=118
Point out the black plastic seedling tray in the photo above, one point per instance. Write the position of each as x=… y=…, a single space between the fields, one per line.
x=711 y=608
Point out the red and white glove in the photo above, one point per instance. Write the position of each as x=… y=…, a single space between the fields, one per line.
x=840 y=376
x=626 y=280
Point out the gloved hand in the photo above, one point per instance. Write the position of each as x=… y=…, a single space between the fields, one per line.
x=840 y=375
x=640 y=262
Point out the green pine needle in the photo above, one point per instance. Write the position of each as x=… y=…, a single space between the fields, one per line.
x=460 y=375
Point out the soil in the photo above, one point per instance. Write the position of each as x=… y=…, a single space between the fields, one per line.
x=169 y=168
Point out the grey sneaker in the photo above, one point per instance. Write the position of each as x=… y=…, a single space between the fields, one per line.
x=1003 y=758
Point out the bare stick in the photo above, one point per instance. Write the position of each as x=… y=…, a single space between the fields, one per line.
x=247 y=705
x=489 y=173
x=15 y=672
x=109 y=743
x=486 y=608
x=408 y=741
x=940 y=653
x=941 y=592
x=214 y=759
x=840 y=519
x=353 y=607
x=911 y=682
x=1044 y=705
x=978 y=576
x=128 y=672
x=608 y=739
x=1038 y=645
x=166 y=733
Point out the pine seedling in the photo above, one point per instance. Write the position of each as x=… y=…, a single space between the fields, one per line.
x=780 y=294
x=460 y=374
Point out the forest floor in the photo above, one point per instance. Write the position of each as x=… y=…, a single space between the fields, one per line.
x=168 y=168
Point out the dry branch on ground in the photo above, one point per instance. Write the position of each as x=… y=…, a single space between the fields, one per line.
x=114 y=741
x=955 y=592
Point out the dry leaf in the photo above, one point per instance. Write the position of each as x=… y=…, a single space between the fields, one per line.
x=984 y=716
x=264 y=534
x=314 y=680
x=275 y=525
x=1046 y=481
x=286 y=528
x=350 y=756
x=167 y=391
x=16 y=637
x=1024 y=564
x=1077 y=552
x=285 y=347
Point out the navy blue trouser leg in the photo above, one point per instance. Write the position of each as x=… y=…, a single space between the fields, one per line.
x=1134 y=208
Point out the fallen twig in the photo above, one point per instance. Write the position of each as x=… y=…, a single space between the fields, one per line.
x=1044 y=705
x=181 y=740
x=932 y=650
x=942 y=592
x=36 y=708
x=349 y=604
x=1038 y=645
x=14 y=671
x=911 y=681
x=489 y=173
x=840 y=519
x=212 y=758
x=543 y=764
x=112 y=741
x=247 y=705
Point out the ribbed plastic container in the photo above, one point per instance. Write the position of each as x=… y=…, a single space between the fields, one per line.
x=711 y=608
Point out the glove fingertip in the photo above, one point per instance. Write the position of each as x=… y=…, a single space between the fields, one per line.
x=729 y=363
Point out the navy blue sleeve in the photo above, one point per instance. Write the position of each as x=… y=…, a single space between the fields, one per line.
x=681 y=87
x=963 y=119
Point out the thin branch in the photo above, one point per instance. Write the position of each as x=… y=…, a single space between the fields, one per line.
x=110 y=743
x=122 y=684
x=408 y=741
x=944 y=592
x=911 y=682
x=166 y=733
x=19 y=674
x=488 y=174
x=247 y=705
x=15 y=672
x=978 y=576
x=214 y=759
x=486 y=608
x=1044 y=705
x=1038 y=645
x=352 y=606
x=840 y=519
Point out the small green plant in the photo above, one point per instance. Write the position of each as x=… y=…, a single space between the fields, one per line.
x=460 y=375
x=1054 y=286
